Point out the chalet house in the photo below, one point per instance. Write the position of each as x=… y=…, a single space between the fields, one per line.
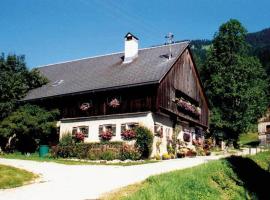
x=158 y=87
x=264 y=129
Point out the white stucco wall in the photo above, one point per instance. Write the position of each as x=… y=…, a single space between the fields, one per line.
x=145 y=119
x=167 y=133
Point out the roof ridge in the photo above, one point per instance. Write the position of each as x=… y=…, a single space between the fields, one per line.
x=109 y=54
x=75 y=60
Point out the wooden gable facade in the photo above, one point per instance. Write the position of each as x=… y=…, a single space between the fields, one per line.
x=182 y=81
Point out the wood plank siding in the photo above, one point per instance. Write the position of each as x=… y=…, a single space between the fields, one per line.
x=183 y=79
x=135 y=99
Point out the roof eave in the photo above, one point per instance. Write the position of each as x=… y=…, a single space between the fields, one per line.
x=92 y=91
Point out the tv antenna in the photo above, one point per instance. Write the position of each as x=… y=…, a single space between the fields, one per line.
x=169 y=38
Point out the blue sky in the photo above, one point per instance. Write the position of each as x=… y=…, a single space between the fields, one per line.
x=49 y=31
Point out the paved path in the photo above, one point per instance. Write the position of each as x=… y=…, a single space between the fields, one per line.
x=81 y=182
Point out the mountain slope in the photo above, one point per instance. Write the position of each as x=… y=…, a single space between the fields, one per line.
x=259 y=42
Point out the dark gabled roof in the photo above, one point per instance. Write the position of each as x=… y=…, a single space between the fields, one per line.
x=106 y=72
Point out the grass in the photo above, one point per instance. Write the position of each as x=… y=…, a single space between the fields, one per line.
x=11 y=177
x=35 y=157
x=249 y=139
x=231 y=178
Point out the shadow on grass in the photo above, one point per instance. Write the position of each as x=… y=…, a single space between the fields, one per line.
x=255 y=179
x=253 y=144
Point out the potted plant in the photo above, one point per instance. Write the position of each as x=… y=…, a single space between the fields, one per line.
x=114 y=103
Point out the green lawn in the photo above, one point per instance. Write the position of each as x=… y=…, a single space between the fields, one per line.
x=13 y=177
x=249 y=139
x=35 y=157
x=231 y=178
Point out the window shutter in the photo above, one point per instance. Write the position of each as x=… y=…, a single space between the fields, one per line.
x=123 y=127
x=86 y=131
x=74 y=131
x=114 y=129
x=100 y=129
x=156 y=128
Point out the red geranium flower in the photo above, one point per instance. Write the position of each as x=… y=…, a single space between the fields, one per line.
x=106 y=135
x=128 y=134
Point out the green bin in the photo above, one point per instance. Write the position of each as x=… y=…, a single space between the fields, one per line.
x=43 y=150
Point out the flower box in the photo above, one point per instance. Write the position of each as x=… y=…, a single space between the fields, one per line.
x=186 y=106
x=106 y=135
x=128 y=134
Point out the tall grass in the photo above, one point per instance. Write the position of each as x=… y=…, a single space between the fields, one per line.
x=213 y=180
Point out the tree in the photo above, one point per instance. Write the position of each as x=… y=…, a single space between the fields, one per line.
x=144 y=141
x=15 y=81
x=27 y=124
x=235 y=83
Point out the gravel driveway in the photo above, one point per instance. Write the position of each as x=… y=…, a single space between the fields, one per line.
x=84 y=182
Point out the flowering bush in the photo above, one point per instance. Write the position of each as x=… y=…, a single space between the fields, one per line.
x=114 y=103
x=106 y=135
x=197 y=142
x=182 y=152
x=79 y=137
x=166 y=156
x=128 y=134
x=187 y=106
x=129 y=152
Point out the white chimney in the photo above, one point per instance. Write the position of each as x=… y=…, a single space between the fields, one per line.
x=131 y=48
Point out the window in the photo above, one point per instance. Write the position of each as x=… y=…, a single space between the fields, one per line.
x=83 y=129
x=158 y=129
x=108 y=127
x=74 y=131
x=129 y=126
x=267 y=128
x=168 y=134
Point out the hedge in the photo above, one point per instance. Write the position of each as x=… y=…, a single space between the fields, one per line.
x=95 y=151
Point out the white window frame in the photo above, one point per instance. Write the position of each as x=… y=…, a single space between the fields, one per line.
x=104 y=128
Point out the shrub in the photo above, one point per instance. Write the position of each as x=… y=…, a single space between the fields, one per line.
x=170 y=149
x=207 y=152
x=66 y=139
x=191 y=153
x=81 y=150
x=128 y=135
x=62 y=151
x=129 y=152
x=109 y=155
x=105 y=135
x=144 y=141
x=166 y=156
x=158 y=157
x=182 y=152
x=93 y=151
x=200 y=151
